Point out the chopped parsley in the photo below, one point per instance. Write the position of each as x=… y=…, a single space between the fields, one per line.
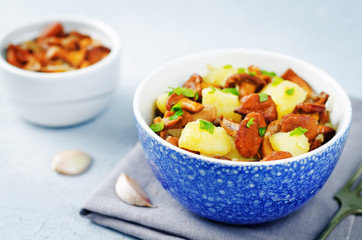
x=250 y=122
x=270 y=74
x=277 y=81
x=187 y=92
x=263 y=97
x=157 y=127
x=196 y=96
x=176 y=107
x=227 y=67
x=176 y=115
x=252 y=73
x=298 y=131
x=177 y=111
x=262 y=131
x=231 y=90
x=241 y=70
x=206 y=125
x=212 y=90
x=290 y=91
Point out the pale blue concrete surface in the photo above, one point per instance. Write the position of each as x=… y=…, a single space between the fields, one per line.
x=36 y=203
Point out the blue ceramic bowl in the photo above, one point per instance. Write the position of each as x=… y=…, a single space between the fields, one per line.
x=239 y=192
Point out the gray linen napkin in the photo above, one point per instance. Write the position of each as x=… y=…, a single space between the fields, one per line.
x=170 y=220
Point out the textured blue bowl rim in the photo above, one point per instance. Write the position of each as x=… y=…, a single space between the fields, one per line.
x=346 y=121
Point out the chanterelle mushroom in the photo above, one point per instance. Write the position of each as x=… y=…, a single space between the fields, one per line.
x=248 y=138
x=246 y=83
x=186 y=103
x=290 y=75
x=291 y=121
x=252 y=103
x=230 y=127
x=276 y=156
x=273 y=128
x=195 y=83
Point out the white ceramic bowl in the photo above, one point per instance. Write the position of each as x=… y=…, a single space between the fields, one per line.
x=67 y=98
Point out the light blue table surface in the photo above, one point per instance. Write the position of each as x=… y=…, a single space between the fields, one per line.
x=37 y=203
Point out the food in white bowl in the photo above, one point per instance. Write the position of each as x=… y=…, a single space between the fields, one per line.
x=244 y=114
x=59 y=99
x=56 y=51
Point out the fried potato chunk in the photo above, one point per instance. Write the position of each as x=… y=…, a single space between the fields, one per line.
x=296 y=144
x=225 y=103
x=286 y=96
x=210 y=144
x=161 y=102
x=218 y=76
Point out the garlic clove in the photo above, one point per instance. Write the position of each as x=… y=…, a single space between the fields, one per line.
x=72 y=162
x=131 y=192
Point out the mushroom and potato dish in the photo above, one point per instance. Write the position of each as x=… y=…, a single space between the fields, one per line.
x=244 y=115
x=56 y=51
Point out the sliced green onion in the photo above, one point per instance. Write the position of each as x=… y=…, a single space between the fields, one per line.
x=270 y=74
x=263 y=97
x=231 y=90
x=262 y=131
x=298 y=131
x=227 y=67
x=176 y=107
x=290 y=91
x=176 y=115
x=212 y=90
x=187 y=92
x=241 y=70
x=250 y=122
x=177 y=111
x=157 y=127
x=277 y=81
x=206 y=125
x=252 y=73
x=196 y=96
